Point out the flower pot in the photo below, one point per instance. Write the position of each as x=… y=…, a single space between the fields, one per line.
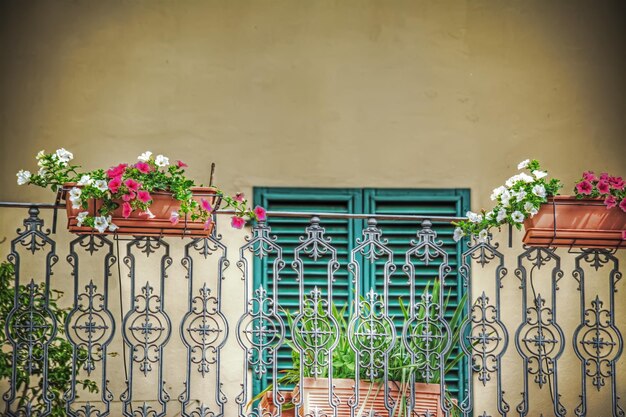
x=565 y=221
x=268 y=408
x=371 y=397
x=139 y=223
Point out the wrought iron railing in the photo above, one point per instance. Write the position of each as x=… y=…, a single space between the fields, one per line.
x=519 y=357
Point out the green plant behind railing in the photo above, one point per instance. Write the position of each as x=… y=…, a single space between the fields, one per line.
x=28 y=385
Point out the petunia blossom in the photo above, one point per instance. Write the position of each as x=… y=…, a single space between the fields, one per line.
x=23 y=177
x=129 y=196
x=181 y=164
x=114 y=184
x=604 y=176
x=622 y=204
x=205 y=205
x=589 y=176
x=237 y=222
x=260 y=213
x=610 y=202
x=131 y=184
x=617 y=183
x=126 y=209
x=174 y=217
x=116 y=171
x=239 y=197
x=604 y=187
x=584 y=187
x=143 y=196
x=143 y=167
x=207 y=224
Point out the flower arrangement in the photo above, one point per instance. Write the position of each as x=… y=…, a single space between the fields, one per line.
x=130 y=185
x=519 y=198
x=609 y=188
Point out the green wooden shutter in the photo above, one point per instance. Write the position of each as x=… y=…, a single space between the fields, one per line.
x=430 y=202
x=288 y=231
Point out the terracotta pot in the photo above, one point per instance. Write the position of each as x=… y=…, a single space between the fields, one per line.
x=565 y=221
x=268 y=408
x=371 y=397
x=138 y=224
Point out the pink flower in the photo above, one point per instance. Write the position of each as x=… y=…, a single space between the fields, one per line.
x=143 y=196
x=584 y=187
x=604 y=187
x=238 y=197
x=260 y=213
x=116 y=171
x=610 y=202
x=126 y=209
x=114 y=184
x=131 y=184
x=604 y=176
x=175 y=217
x=143 y=167
x=205 y=205
x=181 y=164
x=589 y=176
x=129 y=196
x=238 y=222
x=617 y=183
x=622 y=204
x=207 y=224
x=623 y=234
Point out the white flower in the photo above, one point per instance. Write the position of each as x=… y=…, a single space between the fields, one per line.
x=539 y=174
x=113 y=227
x=528 y=206
x=482 y=235
x=75 y=193
x=458 y=234
x=42 y=171
x=489 y=215
x=509 y=183
x=23 y=177
x=145 y=157
x=505 y=197
x=525 y=177
x=64 y=156
x=40 y=154
x=100 y=223
x=497 y=192
x=82 y=216
x=517 y=216
x=85 y=180
x=162 y=161
x=75 y=203
x=519 y=195
x=474 y=217
x=501 y=215
x=539 y=190
x=533 y=211
x=523 y=164
x=101 y=185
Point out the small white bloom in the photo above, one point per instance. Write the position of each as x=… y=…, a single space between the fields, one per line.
x=113 y=227
x=482 y=235
x=533 y=211
x=523 y=164
x=474 y=217
x=40 y=154
x=82 y=216
x=505 y=197
x=489 y=215
x=23 y=177
x=517 y=216
x=85 y=180
x=458 y=234
x=509 y=183
x=42 y=172
x=526 y=178
x=162 y=161
x=64 y=156
x=539 y=190
x=101 y=185
x=145 y=157
x=528 y=206
x=75 y=202
x=540 y=174
x=519 y=195
x=75 y=193
x=497 y=192
x=501 y=215
x=100 y=224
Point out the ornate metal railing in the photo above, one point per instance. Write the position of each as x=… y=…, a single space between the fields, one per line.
x=231 y=331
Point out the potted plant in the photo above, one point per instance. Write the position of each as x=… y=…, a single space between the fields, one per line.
x=594 y=217
x=148 y=197
x=400 y=370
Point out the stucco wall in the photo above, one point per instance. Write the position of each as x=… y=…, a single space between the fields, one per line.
x=327 y=94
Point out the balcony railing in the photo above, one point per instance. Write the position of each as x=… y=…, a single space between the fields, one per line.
x=182 y=327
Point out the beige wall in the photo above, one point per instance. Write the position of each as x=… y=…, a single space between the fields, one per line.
x=321 y=93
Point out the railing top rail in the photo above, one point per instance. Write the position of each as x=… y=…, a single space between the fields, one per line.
x=295 y=214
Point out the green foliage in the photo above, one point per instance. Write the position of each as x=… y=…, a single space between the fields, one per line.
x=29 y=384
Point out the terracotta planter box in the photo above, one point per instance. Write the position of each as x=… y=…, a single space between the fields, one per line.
x=315 y=396
x=268 y=408
x=138 y=224
x=565 y=221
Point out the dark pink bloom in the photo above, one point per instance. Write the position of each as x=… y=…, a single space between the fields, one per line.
x=181 y=164
x=238 y=222
x=610 y=202
x=114 y=184
x=131 y=184
x=116 y=171
x=207 y=224
x=589 y=176
x=126 y=209
x=238 y=197
x=129 y=196
x=144 y=196
x=622 y=204
x=260 y=213
x=604 y=187
x=623 y=234
x=143 y=167
x=604 y=176
x=584 y=187
x=175 y=217
x=205 y=205
x=617 y=183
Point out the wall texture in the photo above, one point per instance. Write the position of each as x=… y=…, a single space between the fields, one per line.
x=319 y=93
